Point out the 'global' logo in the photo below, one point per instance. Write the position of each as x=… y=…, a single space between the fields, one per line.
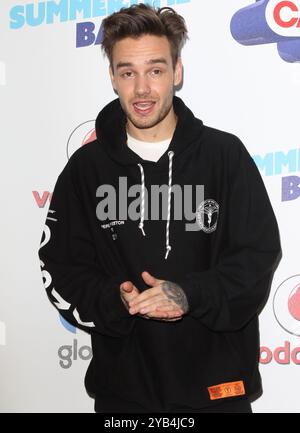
x=69 y=353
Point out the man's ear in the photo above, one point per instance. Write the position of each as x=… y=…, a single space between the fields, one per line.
x=112 y=78
x=178 y=72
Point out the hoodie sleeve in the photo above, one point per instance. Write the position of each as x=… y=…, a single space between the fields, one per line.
x=73 y=278
x=229 y=294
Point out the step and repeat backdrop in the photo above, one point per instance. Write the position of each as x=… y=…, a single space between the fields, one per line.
x=241 y=74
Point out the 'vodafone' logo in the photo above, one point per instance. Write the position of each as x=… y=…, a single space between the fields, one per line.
x=283 y=17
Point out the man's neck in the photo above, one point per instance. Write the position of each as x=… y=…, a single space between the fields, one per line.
x=160 y=132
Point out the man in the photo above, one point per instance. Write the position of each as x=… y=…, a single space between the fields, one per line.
x=169 y=289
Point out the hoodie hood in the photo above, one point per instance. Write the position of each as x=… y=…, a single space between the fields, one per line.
x=111 y=133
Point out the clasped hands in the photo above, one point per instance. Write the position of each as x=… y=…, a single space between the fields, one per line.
x=165 y=300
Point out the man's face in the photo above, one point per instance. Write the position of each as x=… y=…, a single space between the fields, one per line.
x=144 y=78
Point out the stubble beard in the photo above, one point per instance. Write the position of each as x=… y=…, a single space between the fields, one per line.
x=147 y=123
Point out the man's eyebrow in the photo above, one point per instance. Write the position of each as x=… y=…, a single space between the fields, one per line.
x=159 y=60
x=148 y=62
x=124 y=65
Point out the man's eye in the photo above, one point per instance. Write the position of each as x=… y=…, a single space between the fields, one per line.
x=127 y=74
x=156 y=72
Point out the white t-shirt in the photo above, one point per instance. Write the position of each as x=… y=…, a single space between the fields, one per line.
x=148 y=151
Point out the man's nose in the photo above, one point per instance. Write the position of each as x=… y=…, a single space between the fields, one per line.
x=142 y=85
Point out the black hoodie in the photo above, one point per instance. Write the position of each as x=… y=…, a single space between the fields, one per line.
x=224 y=264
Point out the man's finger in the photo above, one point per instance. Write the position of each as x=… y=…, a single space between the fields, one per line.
x=147 y=295
x=128 y=292
x=169 y=309
x=156 y=302
x=149 y=279
x=163 y=306
x=159 y=310
x=127 y=286
x=148 y=302
x=164 y=316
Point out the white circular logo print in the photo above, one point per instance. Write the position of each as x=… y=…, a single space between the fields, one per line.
x=207 y=215
x=286 y=305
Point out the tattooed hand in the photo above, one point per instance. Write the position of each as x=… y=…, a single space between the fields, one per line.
x=165 y=297
x=175 y=293
x=128 y=292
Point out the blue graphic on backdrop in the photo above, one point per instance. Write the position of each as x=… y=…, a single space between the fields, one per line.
x=52 y=11
x=267 y=22
x=67 y=325
x=87 y=33
x=279 y=163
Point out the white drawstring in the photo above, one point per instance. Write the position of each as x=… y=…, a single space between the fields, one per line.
x=168 y=246
x=141 y=224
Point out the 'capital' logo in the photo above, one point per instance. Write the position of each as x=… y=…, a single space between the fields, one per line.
x=267 y=22
x=283 y=17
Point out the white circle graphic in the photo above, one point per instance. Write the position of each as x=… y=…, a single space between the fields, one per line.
x=286 y=305
x=81 y=135
x=207 y=215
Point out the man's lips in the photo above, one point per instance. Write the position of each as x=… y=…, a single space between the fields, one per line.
x=143 y=107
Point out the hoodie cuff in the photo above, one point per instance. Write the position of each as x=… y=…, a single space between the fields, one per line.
x=113 y=305
x=193 y=285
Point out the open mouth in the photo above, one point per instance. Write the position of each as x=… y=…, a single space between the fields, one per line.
x=144 y=107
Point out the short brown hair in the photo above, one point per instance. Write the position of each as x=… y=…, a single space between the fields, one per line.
x=141 y=19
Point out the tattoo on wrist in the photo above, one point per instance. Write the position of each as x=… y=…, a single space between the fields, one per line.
x=175 y=293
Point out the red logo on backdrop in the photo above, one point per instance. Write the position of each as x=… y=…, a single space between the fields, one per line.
x=81 y=135
x=286 y=305
x=287 y=14
x=268 y=22
x=283 y=17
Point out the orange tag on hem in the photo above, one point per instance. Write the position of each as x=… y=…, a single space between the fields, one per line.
x=229 y=389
